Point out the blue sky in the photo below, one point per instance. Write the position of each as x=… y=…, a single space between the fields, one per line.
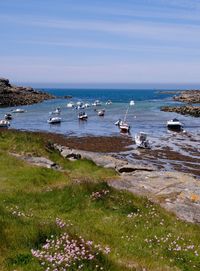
x=90 y=41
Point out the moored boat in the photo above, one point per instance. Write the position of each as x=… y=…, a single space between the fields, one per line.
x=54 y=120
x=56 y=112
x=97 y=103
x=175 y=125
x=70 y=105
x=4 y=123
x=109 y=102
x=132 y=103
x=82 y=116
x=101 y=113
x=141 y=140
x=124 y=127
x=18 y=110
x=8 y=116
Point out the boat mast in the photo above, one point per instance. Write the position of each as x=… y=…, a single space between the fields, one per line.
x=126 y=114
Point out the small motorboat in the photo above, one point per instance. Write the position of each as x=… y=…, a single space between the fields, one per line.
x=79 y=103
x=141 y=140
x=4 y=124
x=132 y=103
x=87 y=105
x=56 y=112
x=8 y=116
x=124 y=127
x=70 y=105
x=18 y=110
x=82 y=116
x=101 y=113
x=97 y=103
x=54 y=120
x=109 y=102
x=79 y=107
x=175 y=125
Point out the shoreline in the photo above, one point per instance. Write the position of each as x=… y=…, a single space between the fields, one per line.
x=176 y=191
x=183 y=158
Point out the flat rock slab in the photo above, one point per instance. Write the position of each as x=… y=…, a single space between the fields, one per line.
x=103 y=160
x=37 y=161
x=176 y=192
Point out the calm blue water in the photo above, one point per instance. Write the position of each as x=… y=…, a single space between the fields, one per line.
x=144 y=116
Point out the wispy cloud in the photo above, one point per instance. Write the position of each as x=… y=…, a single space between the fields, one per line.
x=134 y=29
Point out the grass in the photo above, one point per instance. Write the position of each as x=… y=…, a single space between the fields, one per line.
x=140 y=234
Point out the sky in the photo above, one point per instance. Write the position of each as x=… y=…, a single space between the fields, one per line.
x=107 y=41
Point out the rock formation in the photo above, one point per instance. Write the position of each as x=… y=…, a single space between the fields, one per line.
x=184 y=110
x=190 y=97
x=14 y=96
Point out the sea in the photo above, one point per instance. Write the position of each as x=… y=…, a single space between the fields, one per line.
x=144 y=116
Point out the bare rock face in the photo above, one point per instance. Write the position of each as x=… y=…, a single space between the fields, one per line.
x=183 y=110
x=177 y=192
x=14 y=96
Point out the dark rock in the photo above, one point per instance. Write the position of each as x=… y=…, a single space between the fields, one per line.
x=14 y=96
x=184 y=110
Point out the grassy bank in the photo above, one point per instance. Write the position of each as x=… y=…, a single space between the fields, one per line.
x=128 y=232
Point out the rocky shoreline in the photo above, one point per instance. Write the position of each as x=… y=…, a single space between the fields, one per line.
x=190 y=97
x=11 y=95
x=175 y=191
x=183 y=110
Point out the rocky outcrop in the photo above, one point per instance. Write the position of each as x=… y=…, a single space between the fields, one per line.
x=184 y=110
x=177 y=192
x=14 y=96
x=104 y=160
x=188 y=96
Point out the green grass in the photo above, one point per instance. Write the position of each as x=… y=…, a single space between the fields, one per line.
x=135 y=229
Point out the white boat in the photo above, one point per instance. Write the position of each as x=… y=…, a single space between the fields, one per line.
x=132 y=103
x=124 y=127
x=141 y=140
x=79 y=107
x=174 y=124
x=18 y=110
x=82 y=116
x=96 y=103
x=109 y=102
x=54 y=120
x=79 y=103
x=56 y=112
x=4 y=124
x=101 y=113
x=87 y=105
x=70 y=105
x=8 y=116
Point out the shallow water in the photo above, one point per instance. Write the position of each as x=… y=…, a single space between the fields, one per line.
x=145 y=115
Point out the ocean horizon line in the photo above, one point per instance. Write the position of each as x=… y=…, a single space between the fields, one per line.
x=113 y=86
